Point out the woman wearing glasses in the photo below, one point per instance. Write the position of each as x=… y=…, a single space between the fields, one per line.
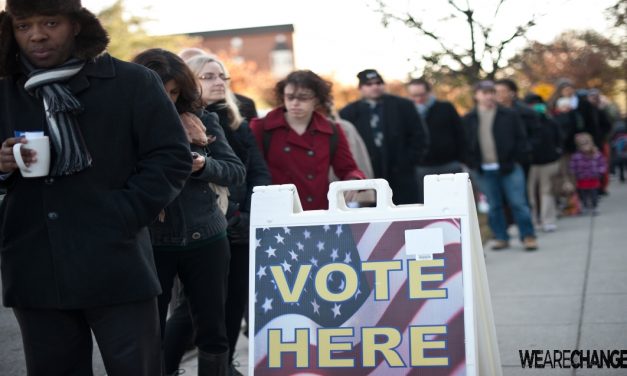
x=300 y=145
x=189 y=236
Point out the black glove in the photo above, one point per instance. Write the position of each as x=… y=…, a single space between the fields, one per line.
x=238 y=228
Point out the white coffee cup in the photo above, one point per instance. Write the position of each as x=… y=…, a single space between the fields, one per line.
x=41 y=167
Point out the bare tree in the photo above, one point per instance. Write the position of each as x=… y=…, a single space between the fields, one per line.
x=480 y=57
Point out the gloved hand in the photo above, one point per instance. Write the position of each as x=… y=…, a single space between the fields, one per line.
x=238 y=228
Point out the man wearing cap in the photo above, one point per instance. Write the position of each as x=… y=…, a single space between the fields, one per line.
x=497 y=145
x=393 y=133
x=75 y=252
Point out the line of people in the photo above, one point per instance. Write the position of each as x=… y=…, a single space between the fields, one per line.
x=532 y=160
x=140 y=233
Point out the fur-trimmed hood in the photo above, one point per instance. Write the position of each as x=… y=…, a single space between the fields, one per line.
x=90 y=42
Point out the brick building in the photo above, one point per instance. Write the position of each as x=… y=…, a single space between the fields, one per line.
x=270 y=47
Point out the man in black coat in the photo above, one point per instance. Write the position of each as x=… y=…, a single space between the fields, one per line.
x=393 y=133
x=447 y=139
x=497 y=145
x=507 y=96
x=75 y=252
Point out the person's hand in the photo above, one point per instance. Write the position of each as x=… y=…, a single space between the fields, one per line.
x=198 y=162
x=189 y=118
x=190 y=122
x=350 y=196
x=7 y=160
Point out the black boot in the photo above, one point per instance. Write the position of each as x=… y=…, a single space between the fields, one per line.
x=213 y=364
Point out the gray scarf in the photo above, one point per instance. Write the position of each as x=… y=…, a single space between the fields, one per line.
x=61 y=109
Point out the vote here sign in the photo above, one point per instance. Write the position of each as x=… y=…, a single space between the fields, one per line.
x=359 y=299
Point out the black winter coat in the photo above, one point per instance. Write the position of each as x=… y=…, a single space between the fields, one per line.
x=530 y=119
x=245 y=146
x=447 y=139
x=82 y=241
x=509 y=136
x=546 y=141
x=405 y=143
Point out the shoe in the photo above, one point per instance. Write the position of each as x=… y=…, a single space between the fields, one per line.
x=549 y=227
x=530 y=243
x=234 y=372
x=498 y=245
x=213 y=364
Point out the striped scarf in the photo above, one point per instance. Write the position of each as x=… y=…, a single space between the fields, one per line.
x=61 y=109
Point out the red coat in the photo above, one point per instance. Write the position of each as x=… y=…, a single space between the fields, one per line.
x=303 y=160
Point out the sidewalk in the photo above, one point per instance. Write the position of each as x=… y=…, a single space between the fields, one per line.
x=570 y=294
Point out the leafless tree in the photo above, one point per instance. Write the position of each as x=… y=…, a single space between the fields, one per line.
x=480 y=57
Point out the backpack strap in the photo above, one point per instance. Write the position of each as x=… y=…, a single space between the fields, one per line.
x=333 y=141
x=267 y=137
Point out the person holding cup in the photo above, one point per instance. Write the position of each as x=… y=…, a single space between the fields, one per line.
x=75 y=250
x=41 y=146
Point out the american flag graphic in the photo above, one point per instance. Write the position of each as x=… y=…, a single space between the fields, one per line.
x=318 y=245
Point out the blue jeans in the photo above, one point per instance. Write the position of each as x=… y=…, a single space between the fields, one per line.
x=493 y=184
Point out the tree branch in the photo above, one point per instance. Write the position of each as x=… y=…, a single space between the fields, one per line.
x=411 y=22
x=520 y=31
x=498 y=8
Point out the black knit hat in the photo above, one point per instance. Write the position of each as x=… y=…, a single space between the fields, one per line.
x=91 y=41
x=368 y=74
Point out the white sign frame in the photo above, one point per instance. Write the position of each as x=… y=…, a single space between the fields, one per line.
x=446 y=196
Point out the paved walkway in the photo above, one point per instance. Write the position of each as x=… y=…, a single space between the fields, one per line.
x=571 y=294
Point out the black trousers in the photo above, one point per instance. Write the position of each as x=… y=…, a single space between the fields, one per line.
x=203 y=273
x=589 y=197
x=59 y=342
x=179 y=331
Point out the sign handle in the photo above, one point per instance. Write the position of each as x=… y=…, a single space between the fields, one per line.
x=380 y=186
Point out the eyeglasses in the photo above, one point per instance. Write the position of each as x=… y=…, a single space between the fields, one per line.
x=213 y=77
x=371 y=83
x=299 y=97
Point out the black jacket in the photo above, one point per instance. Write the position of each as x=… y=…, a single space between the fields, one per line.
x=530 y=119
x=247 y=107
x=257 y=173
x=405 y=143
x=546 y=141
x=447 y=139
x=509 y=136
x=194 y=215
x=82 y=240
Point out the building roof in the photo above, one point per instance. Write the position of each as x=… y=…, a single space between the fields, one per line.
x=287 y=28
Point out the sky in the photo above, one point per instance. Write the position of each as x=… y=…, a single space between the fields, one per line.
x=341 y=37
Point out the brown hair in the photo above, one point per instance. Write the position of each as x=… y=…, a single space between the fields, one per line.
x=305 y=79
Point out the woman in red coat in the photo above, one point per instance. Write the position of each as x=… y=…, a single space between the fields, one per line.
x=300 y=145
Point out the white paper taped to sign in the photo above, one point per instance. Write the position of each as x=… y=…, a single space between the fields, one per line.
x=423 y=243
